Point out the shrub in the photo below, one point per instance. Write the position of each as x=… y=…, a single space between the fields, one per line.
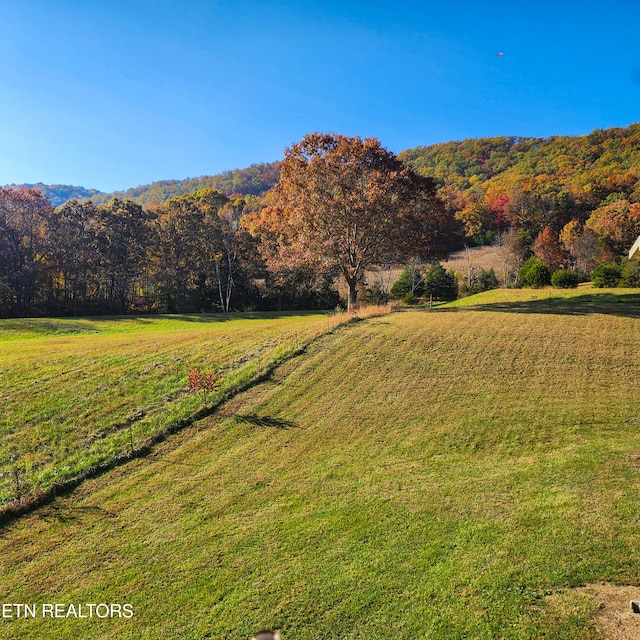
x=630 y=273
x=204 y=381
x=440 y=283
x=534 y=273
x=606 y=274
x=565 y=279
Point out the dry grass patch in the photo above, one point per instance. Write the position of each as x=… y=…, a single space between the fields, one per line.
x=615 y=619
x=607 y=606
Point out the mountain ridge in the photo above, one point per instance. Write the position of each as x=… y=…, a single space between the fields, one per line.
x=591 y=168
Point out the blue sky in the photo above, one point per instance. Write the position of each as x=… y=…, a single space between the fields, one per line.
x=111 y=94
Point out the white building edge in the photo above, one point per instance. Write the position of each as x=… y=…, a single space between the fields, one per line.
x=634 y=252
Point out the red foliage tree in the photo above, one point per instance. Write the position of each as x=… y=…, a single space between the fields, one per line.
x=344 y=204
x=550 y=250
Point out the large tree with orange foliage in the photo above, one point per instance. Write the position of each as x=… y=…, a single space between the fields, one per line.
x=343 y=205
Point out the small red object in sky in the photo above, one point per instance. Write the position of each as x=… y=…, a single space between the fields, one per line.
x=499 y=55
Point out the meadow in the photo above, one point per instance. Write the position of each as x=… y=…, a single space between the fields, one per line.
x=80 y=393
x=443 y=474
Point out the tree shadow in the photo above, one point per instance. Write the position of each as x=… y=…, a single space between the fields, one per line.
x=624 y=305
x=264 y=421
x=70 y=513
x=62 y=325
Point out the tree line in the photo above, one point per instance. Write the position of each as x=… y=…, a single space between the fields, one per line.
x=342 y=206
x=188 y=254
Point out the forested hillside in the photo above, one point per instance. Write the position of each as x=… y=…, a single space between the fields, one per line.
x=255 y=180
x=493 y=182
x=579 y=173
x=58 y=194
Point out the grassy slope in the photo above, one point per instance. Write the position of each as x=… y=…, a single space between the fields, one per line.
x=427 y=474
x=77 y=392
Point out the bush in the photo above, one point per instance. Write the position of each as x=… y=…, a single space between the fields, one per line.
x=606 y=274
x=630 y=273
x=565 y=279
x=440 y=283
x=534 y=273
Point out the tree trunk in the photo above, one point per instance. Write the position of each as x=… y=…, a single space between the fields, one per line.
x=353 y=295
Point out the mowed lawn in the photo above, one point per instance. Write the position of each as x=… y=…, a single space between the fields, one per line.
x=78 y=392
x=432 y=474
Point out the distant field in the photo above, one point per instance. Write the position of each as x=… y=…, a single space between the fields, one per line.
x=480 y=257
x=458 y=261
x=441 y=474
x=79 y=392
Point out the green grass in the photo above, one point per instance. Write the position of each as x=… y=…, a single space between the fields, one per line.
x=77 y=393
x=433 y=474
x=584 y=299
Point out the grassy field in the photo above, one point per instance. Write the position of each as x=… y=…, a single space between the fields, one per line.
x=77 y=393
x=435 y=474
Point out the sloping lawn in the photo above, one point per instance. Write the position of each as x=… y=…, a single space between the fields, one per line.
x=446 y=474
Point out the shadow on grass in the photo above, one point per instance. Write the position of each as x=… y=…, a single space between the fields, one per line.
x=264 y=421
x=66 y=513
x=625 y=305
x=92 y=324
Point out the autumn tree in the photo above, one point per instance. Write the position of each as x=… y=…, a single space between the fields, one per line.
x=25 y=217
x=179 y=241
x=226 y=260
x=528 y=211
x=617 y=225
x=123 y=236
x=197 y=249
x=550 y=250
x=344 y=204
x=582 y=244
x=75 y=258
x=479 y=221
x=511 y=249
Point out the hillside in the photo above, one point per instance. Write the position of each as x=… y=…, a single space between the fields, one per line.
x=589 y=169
x=578 y=172
x=255 y=180
x=563 y=177
x=608 y=160
x=448 y=474
x=59 y=193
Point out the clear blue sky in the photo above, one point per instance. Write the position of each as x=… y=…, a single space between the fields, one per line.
x=111 y=94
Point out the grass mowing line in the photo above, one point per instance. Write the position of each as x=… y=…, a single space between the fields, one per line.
x=260 y=364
